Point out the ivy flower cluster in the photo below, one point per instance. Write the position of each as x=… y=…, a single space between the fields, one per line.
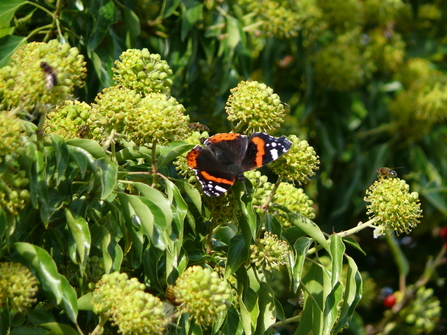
x=41 y=74
x=269 y=253
x=18 y=286
x=203 y=294
x=391 y=204
x=129 y=307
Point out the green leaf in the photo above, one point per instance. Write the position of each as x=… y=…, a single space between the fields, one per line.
x=5 y=319
x=57 y=328
x=249 y=308
x=85 y=302
x=233 y=32
x=81 y=234
x=317 y=286
x=179 y=208
x=337 y=252
x=132 y=206
x=267 y=310
x=354 y=243
x=108 y=171
x=248 y=221
x=56 y=286
x=105 y=17
x=352 y=295
x=172 y=151
x=238 y=253
x=434 y=196
x=192 y=193
x=62 y=156
x=39 y=315
x=7 y=11
x=101 y=238
x=193 y=14
x=301 y=247
x=170 y=7
x=399 y=256
x=90 y=146
x=233 y=324
x=160 y=206
x=28 y=330
x=306 y=225
x=133 y=27
x=83 y=159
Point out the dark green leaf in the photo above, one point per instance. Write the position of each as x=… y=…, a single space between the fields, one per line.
x=39 y=316
x=170 y=7
x=62 y=156
x=160 y=206
x=238 y=253
x=233 y=324
x=354 y=243
x=192 y=15
x=139 y=207
x=28 y=330
x=104 y=19
x=133 y=28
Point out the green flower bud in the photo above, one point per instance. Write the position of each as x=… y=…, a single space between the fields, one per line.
x=256 y=106
x=18 y=286
x=395 y=208
x=197 y=295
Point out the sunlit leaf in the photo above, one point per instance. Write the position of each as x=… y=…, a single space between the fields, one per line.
x=56 y=286
x=300 y=248
x=81 y=234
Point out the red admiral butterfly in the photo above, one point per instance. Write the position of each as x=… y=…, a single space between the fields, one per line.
x=225 y=157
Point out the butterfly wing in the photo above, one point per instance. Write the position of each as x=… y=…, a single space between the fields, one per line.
x=263 y=149
x=213 y=176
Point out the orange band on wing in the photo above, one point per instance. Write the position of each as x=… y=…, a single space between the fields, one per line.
x=260 y=146
x=209 y=177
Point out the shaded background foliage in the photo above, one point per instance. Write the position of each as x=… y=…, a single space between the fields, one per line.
x=338 y=66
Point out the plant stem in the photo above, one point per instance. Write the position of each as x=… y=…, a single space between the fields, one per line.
x=154 y=165
x=271 y=195
x=359 y=227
